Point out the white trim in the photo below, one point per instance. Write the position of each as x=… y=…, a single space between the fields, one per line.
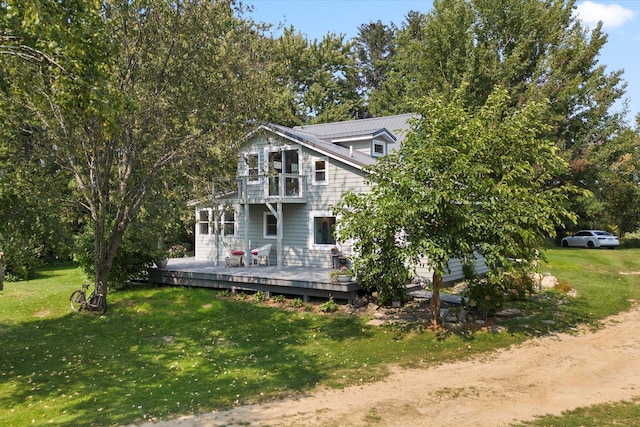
x=312 y=216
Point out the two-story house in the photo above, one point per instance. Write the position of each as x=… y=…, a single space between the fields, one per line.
x=288 y=179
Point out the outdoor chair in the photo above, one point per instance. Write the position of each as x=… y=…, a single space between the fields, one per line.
x=261 y=252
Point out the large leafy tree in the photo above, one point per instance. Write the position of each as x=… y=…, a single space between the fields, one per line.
x=463 y=182
x=320 y=76
x=373 y=47
x=124 y=95
x=535 y=49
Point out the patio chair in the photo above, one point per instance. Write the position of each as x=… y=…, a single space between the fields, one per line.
x=261 y=252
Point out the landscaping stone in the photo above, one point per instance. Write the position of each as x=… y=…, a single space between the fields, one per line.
x=509 y=313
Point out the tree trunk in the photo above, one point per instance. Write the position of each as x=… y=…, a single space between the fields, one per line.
x=434 y=306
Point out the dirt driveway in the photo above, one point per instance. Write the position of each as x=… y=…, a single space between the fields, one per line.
x=542 y=376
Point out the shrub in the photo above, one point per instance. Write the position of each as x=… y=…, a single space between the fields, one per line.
x=485 y=295
x=518 y=285
x=177 y=251
x=260 y=296
x=329 y=306
x=296 y=303
x=280 y=299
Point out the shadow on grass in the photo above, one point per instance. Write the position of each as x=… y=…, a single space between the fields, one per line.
x=161 y=353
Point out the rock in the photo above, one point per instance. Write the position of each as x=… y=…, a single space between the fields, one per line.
x=375 y=322
x=509 y=313
x=548 y=281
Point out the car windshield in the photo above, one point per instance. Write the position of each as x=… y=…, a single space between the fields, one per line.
x=603 y=233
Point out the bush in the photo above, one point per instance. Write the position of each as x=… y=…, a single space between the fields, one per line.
x=485 y=295
x=136 y=253
x=177 y=251
x=329 y=306
x=260 y=296
x=296 y=303
x=518 y=285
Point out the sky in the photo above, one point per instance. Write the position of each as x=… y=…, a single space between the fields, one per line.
x=316 y=18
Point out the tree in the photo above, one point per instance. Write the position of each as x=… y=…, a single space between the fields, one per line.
x=373 y=48
x=321 y=77
x=618 y=185
x=534 y=49
x=123 y=95
x=463 y=182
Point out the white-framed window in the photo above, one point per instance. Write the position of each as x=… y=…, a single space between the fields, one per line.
x=203 y=221
x=320 y=171
x=270 y=226
x=281 y=160
x=228 y=221
x=252 y=165
x=378 y=149
x=322 y=229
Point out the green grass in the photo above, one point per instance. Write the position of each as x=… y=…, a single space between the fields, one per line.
x=604 y=415
x=163 y=352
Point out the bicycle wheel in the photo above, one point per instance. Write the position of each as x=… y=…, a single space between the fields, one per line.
x=77 y=300
x=98 y=304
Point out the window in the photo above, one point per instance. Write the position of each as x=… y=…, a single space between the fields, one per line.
x=252 y=165
x=324 y=230
x=203 y=221
x=378 y=149
x=320 y=171
x=279 y=162
x=229 y=221
x=270 y=225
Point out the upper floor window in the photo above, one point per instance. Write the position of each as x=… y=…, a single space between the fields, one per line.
x=378 y=149
x=320 y=171
x=203 y=221
x=252 y=165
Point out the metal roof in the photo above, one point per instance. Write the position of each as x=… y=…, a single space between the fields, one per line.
x=397 y=126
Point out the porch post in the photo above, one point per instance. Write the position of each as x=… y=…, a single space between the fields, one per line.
x=279 y=221
x=247 y=249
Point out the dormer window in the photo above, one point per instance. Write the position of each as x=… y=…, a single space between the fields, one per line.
x=378 y=149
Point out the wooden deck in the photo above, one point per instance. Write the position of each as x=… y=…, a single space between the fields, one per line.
x=304 y=282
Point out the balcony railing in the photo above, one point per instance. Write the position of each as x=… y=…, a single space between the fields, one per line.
x=283 y=186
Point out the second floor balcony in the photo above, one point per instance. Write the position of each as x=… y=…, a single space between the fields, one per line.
x=284 y=187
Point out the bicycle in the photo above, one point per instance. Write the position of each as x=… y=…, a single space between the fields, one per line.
x=96 y=304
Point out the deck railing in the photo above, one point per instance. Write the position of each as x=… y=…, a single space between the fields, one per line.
x=283 y=186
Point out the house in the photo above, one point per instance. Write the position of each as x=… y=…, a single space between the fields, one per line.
x=287 y=181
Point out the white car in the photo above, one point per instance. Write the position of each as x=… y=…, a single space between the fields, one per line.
x=591 y=239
